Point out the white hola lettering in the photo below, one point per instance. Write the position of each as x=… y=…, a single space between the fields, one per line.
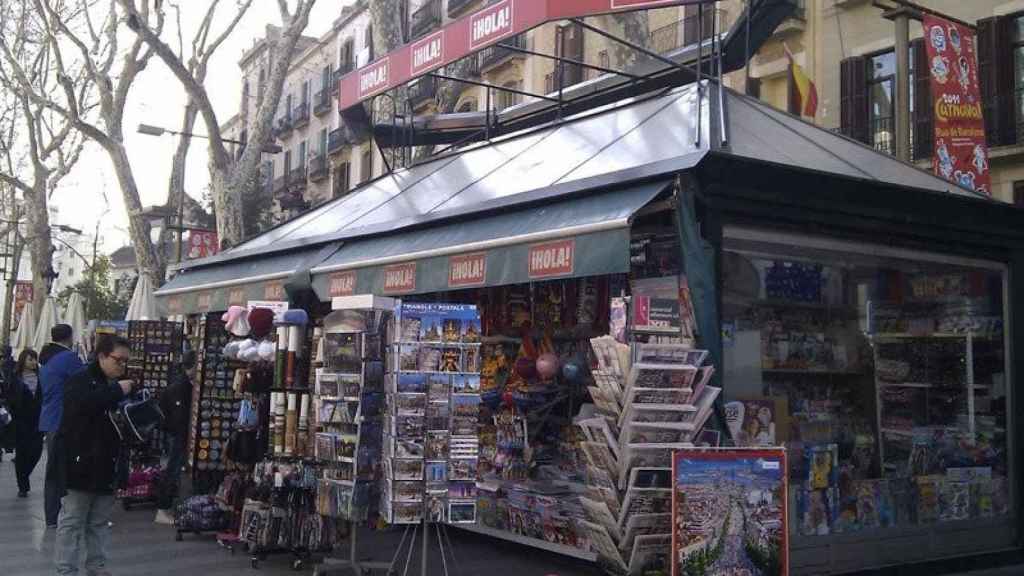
x=343 y=284
x=401 y=278
x=427 y=53
x=373 y=78
x=492 y=24
x=467 y=270
x=552 y=258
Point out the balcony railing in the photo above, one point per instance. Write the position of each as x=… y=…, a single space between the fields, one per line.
x=338 y=139
x=283 y=127
x=423 y=90
x=322 y=102
x=456 y=6
x=494 y=55
x=297 y=178
x=292 y=200
x=343 y=68
x=318 y=167
x=300 y=116
x=425 y=19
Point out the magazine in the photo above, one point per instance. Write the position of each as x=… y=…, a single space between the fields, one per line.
x=650 y=552
x=645 y=525
x=599 y=513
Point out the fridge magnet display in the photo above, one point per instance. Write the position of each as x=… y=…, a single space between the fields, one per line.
x=462 y=512
x=730 y=499
x=407 y=469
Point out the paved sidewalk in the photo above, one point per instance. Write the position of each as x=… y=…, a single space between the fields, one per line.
x=141 y=547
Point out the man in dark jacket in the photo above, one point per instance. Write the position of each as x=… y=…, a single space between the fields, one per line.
x=58 y=362
x=91 y=448
x=176 y=404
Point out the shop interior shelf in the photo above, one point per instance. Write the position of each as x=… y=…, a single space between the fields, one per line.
x=813 y=372
x=933 y=335
x=534 y=542
x=781 y=303
x=897 y=432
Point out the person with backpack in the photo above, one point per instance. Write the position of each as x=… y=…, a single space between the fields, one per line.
x=176 y=405
x=59 y=362
x=27 y=401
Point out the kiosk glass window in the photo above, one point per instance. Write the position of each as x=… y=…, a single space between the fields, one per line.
x=885 y=374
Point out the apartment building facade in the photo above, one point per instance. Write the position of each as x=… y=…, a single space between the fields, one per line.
x=847 y=48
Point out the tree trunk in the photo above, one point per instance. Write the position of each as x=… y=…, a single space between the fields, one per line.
x=176 y=185
x=635 y=29
x=40 y=244
x=147 y=260
x=13 y=243
x=386 y=17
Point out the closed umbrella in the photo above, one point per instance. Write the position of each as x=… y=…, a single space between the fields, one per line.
x=48 y=318
x=74 y=315
x=143 y=305
x=26 y=328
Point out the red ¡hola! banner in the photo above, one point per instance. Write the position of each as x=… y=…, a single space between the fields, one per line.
x=961 y=154
x=489 y=25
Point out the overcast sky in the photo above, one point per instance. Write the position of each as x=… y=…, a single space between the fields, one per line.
x=157 y=98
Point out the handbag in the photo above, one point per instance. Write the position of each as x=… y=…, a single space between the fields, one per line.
x=136 y=420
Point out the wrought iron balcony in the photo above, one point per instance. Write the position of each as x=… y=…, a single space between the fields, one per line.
x=292 y=200
x=422 y=91
x=300 y=116
x=494 y=55
x=338 y=139
x=318 y=167
x=343 y=68
x=283 y=127
x=322 y=102
x=426 y=19
x=457 y=6
x=297 y=178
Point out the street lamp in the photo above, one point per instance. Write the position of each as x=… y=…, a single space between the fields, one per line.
x=150 y=130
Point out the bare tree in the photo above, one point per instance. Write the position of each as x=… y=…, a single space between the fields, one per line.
x=230 y=179
x=197 y=64
x=38 y=145
x=84 y=34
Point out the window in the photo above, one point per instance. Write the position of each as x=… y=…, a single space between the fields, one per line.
x=868 y=107
x=1001 y=75
x=569 y=45
x=347 y=54
x=507 y=99
x=368 y=40
x=366 y=166
x=302 y=154
x=287 y=163
x=325 y=80
x=305 y=92
x=881 y=111
x=1018 y=193
x=323 y=141
x=883 y=372
x=341 y=181
x=694 y=25
x=1017 y=46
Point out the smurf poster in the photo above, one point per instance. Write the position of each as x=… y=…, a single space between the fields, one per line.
x=961 y=154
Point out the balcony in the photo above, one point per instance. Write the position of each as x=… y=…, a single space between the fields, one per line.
x=422 y=91
x=322 y=102
x=300 y=116
x=297 y=178
x=338 y=139
x=283 y=127
x=455 y=7
x=343 y=69
x=495 y=55
x=318 y=168
x=426 y=19
x=797 y=21
x=292 y=200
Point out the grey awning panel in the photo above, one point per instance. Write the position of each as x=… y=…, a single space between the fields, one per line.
x=591 y=232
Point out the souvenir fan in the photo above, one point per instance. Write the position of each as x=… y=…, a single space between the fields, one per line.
x=547 y=366
x=236 y=321
x=261 y=322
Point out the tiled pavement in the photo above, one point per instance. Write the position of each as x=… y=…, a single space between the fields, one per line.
x=141 y=547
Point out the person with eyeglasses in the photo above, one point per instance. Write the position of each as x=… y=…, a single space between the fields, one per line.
x=57 y=362
x=92 y=448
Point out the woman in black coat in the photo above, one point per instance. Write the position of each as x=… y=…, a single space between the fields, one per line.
x=27 y=401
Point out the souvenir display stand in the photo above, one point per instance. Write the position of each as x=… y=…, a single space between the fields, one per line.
x=349 y=399
x=156 y=350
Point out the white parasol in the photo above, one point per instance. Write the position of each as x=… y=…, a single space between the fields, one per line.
x=143 y=305
x=74 y=314
x=48 y=318
x=26 y=327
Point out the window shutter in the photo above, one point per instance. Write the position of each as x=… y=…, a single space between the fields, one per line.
x=853 y=88
x=995 y=74
x=924 y=114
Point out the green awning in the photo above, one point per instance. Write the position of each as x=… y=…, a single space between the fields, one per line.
x=583 y=236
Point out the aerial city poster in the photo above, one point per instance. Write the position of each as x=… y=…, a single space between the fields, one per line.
x=729 y=512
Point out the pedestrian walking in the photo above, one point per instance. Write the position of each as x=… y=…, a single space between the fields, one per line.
x=92 y=450
x=58 y=363
x=176 y=404
x=27 y=402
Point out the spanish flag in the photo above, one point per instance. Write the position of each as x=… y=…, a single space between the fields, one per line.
x=807 y=90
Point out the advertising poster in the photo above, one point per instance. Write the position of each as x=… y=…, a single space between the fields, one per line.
x=729 y=512
x=961 y=154
x=202 y=243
